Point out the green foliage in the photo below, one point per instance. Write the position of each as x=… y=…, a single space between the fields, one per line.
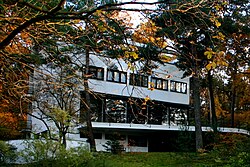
x=185 y=141
x=7 y=153
x=242 y=159
x=51 y=153
x=155 y=159
x=233 y=149
x=113 y=145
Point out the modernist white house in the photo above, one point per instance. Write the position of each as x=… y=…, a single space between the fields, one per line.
x=144 y=110
x=141 y=108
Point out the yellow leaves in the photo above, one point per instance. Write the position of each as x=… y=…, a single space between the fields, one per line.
x=209 y=53
x=215 y=59
x=133 y=55
x=162 y=44
x=77 y=21
x=151 y=86
x=166 y=58
x=215 y=21
x=146 y=98
x=219 y=111
x=220 y=36
x=211 y=65
x=98 y=12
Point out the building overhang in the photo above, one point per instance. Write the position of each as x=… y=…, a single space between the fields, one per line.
x=144 y=128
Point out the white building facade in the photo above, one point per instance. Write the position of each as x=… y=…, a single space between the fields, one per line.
x=139 y=108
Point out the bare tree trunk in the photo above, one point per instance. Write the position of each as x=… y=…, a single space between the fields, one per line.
x=198 y=130
x=196 y=96
x=212 y=103
x=87 y=101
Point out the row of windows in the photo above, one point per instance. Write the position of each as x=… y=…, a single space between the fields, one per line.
x=137 y=80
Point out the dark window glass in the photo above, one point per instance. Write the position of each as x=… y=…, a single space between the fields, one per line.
x=123 y=77
x=114 y=136
x=179 y=87
x=154 y=82
x=98 y=135
x=115 y=111
x=159 y=83
x=139 y=141
x=144 y=81
x=172 y=86
x=116 y=76
x=96 y=72
x=137 y=111
x=165 y=84
x=84 y=134
x=138 y=80
x=96 y=105
x=100 y=73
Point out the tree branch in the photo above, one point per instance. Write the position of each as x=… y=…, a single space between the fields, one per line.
x=69 y=15
x=58 y=7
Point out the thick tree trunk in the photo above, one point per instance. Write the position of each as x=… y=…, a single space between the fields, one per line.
x=198 y=130
x=88 y=109
x=212 y=103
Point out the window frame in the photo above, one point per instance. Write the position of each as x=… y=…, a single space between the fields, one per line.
x=94 y=70
x=134 y=78
x=114 y=78
x=161 y=81
x=181 y=87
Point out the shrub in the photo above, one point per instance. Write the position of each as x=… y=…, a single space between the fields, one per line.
x=242 y=159
x=234 y=149
x=113 y=145
x=7 y=153
x=50 y=153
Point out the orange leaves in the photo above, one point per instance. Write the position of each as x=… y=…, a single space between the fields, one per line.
x=146 y=33
x=146 y=99
x=219 y=36
x=151 y=86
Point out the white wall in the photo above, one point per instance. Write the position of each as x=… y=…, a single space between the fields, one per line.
x=168 y=71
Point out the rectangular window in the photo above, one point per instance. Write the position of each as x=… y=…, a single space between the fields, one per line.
x=179 y=87
x=110 y=76
x=96 y=73
x=123 y=77
x=116 y=76
x=165 y=85
x=138 y=80
x=159 y=83
x=115 y=111
x=83 y=134
x=139 y=141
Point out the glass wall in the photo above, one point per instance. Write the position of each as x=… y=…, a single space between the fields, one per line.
x=137 y=111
